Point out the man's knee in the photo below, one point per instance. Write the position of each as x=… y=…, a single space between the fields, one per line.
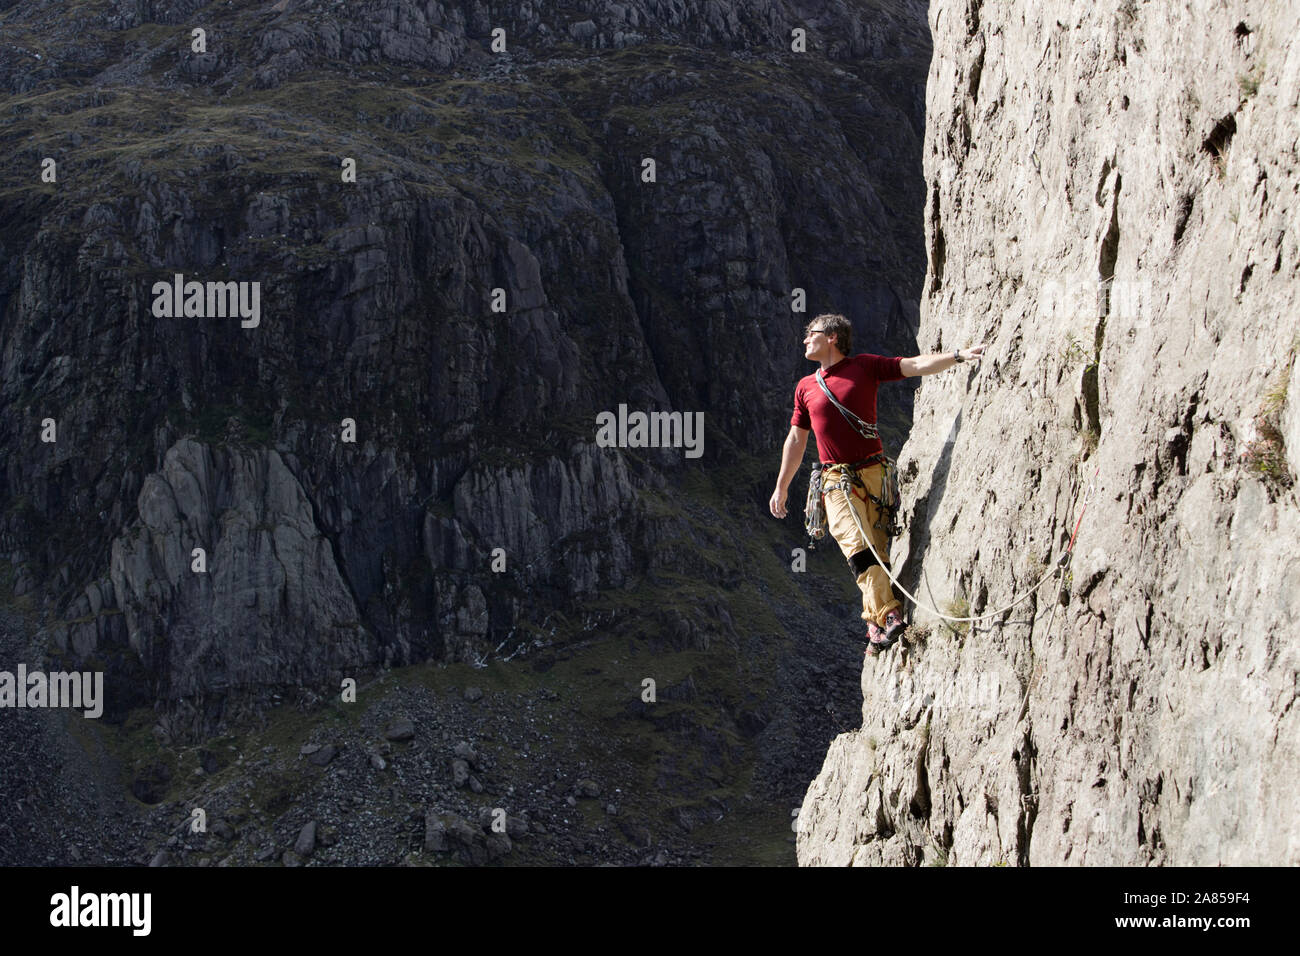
x=860 y=561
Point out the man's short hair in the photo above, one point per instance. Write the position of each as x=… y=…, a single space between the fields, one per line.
x=832 y=323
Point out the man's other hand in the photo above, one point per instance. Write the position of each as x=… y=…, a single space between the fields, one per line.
x=777 y=504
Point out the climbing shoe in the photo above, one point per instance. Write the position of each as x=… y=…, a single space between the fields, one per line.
x=876 y=640
x=893 y=626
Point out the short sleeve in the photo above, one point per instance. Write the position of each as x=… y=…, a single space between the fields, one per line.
x=885 y=368
x=800 y=418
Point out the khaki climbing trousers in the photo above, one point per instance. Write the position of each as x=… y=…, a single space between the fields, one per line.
x=877 y=596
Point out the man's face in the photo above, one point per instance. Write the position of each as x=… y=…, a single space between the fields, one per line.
x=816 y=344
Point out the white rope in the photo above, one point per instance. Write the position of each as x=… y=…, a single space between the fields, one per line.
x=845 y=485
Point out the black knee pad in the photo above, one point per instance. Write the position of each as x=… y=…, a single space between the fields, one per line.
x=862 y=560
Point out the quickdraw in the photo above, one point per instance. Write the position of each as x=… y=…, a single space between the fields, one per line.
x=814 y=510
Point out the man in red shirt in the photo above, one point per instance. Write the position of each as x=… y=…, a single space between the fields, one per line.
x=844 y=450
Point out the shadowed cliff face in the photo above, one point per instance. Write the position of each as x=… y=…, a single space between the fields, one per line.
x=475 y=171
x=1110 y=191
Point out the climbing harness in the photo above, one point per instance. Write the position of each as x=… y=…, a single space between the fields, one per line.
x=815 y=519
x=845 y=486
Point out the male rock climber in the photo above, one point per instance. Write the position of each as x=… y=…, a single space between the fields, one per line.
x=844 y=450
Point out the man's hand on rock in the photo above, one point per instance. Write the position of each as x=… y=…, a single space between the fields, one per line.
x=974 y=352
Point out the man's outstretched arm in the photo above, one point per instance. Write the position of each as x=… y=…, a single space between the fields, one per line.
x=791 y=457
x=938 y=361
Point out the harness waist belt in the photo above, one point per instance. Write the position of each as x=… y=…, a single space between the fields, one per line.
x=852 y=466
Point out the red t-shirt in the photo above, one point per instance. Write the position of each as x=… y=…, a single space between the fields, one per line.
x=853 y=379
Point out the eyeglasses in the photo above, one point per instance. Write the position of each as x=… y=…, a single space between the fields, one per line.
x=811 y=331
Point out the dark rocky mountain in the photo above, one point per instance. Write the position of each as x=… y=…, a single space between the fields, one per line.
x=325 y=559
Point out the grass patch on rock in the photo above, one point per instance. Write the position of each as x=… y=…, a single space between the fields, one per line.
x=1265 y=453
x=958 y=606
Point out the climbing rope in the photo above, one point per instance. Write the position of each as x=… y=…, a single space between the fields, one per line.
x=846 y=484
x=1047 y=632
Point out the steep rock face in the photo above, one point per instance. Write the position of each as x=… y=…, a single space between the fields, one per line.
x=1110 y=191
x=272 y=573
